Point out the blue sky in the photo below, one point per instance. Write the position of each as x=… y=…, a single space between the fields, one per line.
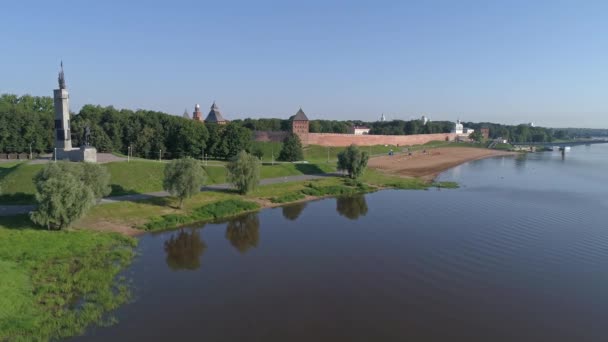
x=509 y=61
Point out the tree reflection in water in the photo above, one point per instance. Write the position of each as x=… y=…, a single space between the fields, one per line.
x=184 y=250
x=351 y=207
x=293 y=211
x=244 y=232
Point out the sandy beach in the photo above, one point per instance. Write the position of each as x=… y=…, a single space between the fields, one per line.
x=429 y=164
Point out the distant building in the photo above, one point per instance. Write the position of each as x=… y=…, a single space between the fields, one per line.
x=197 y=115
x=382 y=118
x=424 y=120
x=531 y=124
x=458 y=128
x=214 y=116
x=485 y=132
x=300 y=123
x=359 y=130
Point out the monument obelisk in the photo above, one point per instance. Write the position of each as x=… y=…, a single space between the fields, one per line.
x=63 y=140
x=63 y=136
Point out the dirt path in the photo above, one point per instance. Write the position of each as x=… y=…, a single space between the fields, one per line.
x=428 y=164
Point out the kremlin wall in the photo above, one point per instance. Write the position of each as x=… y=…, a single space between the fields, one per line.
x=300 y=126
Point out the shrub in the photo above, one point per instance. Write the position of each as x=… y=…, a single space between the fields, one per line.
x=183 y=178
x=207 y=212
x=244 y=172
x=66 y=191
x=62 y=199
x=290 y=197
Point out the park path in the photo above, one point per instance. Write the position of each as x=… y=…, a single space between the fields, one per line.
x=9 y=210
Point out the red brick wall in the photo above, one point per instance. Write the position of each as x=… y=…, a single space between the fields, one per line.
x=333 y=139
x=269 y=136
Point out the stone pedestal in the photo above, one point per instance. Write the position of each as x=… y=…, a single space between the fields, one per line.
x=89 y=154
x=82 y=154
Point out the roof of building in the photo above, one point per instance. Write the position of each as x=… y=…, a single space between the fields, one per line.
x=361 y=127
x=300 y=116
x=214 y=114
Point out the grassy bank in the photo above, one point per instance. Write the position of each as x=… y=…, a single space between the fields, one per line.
x=208 y=212
x=54 y=284
x=16 y=179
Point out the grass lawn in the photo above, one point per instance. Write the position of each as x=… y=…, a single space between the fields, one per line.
x=55 y=283
x=17 y=182
x=141 y=176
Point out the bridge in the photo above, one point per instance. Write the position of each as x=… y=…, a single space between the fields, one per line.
x=563 y=143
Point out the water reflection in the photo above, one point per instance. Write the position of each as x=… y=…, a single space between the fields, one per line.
x=184 y=250
x=520 y=161
x=244 y=232
x=351 y=207
x=292 y=212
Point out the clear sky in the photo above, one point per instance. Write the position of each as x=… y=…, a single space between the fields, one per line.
x=499 y=61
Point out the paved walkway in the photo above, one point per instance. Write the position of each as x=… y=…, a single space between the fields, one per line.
x=8 y=210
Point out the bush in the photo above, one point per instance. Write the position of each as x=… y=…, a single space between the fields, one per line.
x=291 y=197
x=62 y=199
x=183 y=178
x=66 y=191
x=244 y=172
x=353 y=160
x=292 y=149
x=94 y=176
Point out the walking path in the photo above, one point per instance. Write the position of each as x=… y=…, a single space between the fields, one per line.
x=9 y=210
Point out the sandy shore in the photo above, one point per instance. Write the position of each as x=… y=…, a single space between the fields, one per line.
x=428 y=165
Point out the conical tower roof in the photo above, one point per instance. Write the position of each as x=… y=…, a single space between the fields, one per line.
x=300 y=116
x=214 y=114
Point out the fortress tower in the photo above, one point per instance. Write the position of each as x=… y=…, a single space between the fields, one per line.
x=197 y=115
x=300 y=124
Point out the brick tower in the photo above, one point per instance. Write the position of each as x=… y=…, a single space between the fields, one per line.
x=299 y=125
x=197 y=115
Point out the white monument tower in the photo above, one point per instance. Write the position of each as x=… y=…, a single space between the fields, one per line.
x=63 y=136
x=62 y=115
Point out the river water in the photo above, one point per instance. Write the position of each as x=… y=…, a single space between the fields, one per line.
x=518 y=253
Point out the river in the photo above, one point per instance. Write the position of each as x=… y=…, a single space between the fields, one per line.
x=518 y=253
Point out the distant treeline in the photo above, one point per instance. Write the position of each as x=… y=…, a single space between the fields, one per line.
x=29 y=120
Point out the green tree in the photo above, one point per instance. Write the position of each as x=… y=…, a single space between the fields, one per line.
x=236 y=138
x=62 y=199
x=183 y=178
x=353 y=160
x=257 y=152
x=244 y=172
x=93 y=176
x=292 y=149
x=476 y=136
x=97 y=178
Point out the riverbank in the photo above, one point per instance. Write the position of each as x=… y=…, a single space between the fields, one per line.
x=428 y=164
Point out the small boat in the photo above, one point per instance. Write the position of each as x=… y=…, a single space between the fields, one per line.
x=565 y=148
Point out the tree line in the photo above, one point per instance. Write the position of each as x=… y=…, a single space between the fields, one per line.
x=29 y=120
